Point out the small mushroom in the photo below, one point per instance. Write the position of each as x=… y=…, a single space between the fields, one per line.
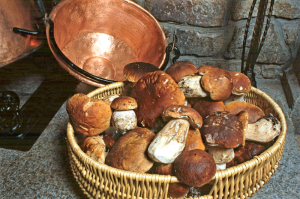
x=217 y=82
x=220 y=154
x=95 y=148
x=204 y=68
x=194 y=140
x=264 y=130
x=170 y=141
x=181 y=69
x=191 y=87
x=124 y=118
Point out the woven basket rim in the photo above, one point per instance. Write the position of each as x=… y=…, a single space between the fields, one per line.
x=241 y=168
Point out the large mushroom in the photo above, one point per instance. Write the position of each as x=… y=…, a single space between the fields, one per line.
x=206 y=106
x=170 y=141
x=123 y=118
x=154 y=92
x=88 y=116
x=130 y=151
x=195 y=167
x=180 y=69
x=254 y=112
x=222 y=132
x=134 y=71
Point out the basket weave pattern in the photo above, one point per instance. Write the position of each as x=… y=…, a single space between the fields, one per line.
x=241 y=181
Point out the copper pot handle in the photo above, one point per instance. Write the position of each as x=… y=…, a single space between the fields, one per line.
x=171 y=47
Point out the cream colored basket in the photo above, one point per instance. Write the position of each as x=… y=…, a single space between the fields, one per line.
x=241 y=181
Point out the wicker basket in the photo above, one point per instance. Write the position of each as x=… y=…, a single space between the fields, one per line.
x=241 y=181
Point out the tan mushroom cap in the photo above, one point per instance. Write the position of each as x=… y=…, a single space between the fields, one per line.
x=222 y=129
x=183 y=112
x=218 y=83
x=206 y=106
x=87 y=115
x=124 y=103
x=195 y=167
x=134 y=71
x=154 y=92
x=254 y=112
x=204 y=68
x=180 y=69
x=194 y=140
x=241 y=83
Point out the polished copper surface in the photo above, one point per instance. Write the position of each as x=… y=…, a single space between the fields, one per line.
x=22 y=14
x=102 y=37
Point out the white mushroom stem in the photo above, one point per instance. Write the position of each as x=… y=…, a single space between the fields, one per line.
x=124 y=121
x=220 y=154
x=191 y=87
x=264 y=130
x=221 y=167
x=169 y=142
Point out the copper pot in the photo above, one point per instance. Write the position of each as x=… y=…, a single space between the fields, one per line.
x=94 y=40
x=17 y=13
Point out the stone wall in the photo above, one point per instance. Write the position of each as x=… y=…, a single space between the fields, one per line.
x=212 y=32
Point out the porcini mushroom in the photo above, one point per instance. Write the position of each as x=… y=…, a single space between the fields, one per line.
x=195 y=167
x=206 y=106
x=134 y=71
x=191 y=87
x=264 y=130
x=254 y=112
x=124 y=118
x=204 y=68
x=88 y=116
x=241 y=86
x=130 y=151
x=154 y=92
x=180 y=69
x=95 y=148
x=222 y=129
x=170 y=141
x=217 y=82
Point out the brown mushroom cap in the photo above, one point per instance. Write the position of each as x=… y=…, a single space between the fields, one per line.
x=183 y=112
x=154 y=92
x=124 y=103
x=254 y=112
x=222 y=129
x=176 y=190
x=243 y=154
x=204 y=68
x=241 y=83
x=134 y=71
x=218 y=83
x=206 y=106
x=129 y=152
x=87 y=115
x=180 y=69
x=195 y=167
x=194 y=140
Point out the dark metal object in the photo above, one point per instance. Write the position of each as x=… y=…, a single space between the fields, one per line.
x=257 y=37
x=10 y=120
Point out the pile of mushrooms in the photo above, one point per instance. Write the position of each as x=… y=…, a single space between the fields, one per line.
x=187 y=122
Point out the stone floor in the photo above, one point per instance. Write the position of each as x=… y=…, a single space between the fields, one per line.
x=43 y=170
